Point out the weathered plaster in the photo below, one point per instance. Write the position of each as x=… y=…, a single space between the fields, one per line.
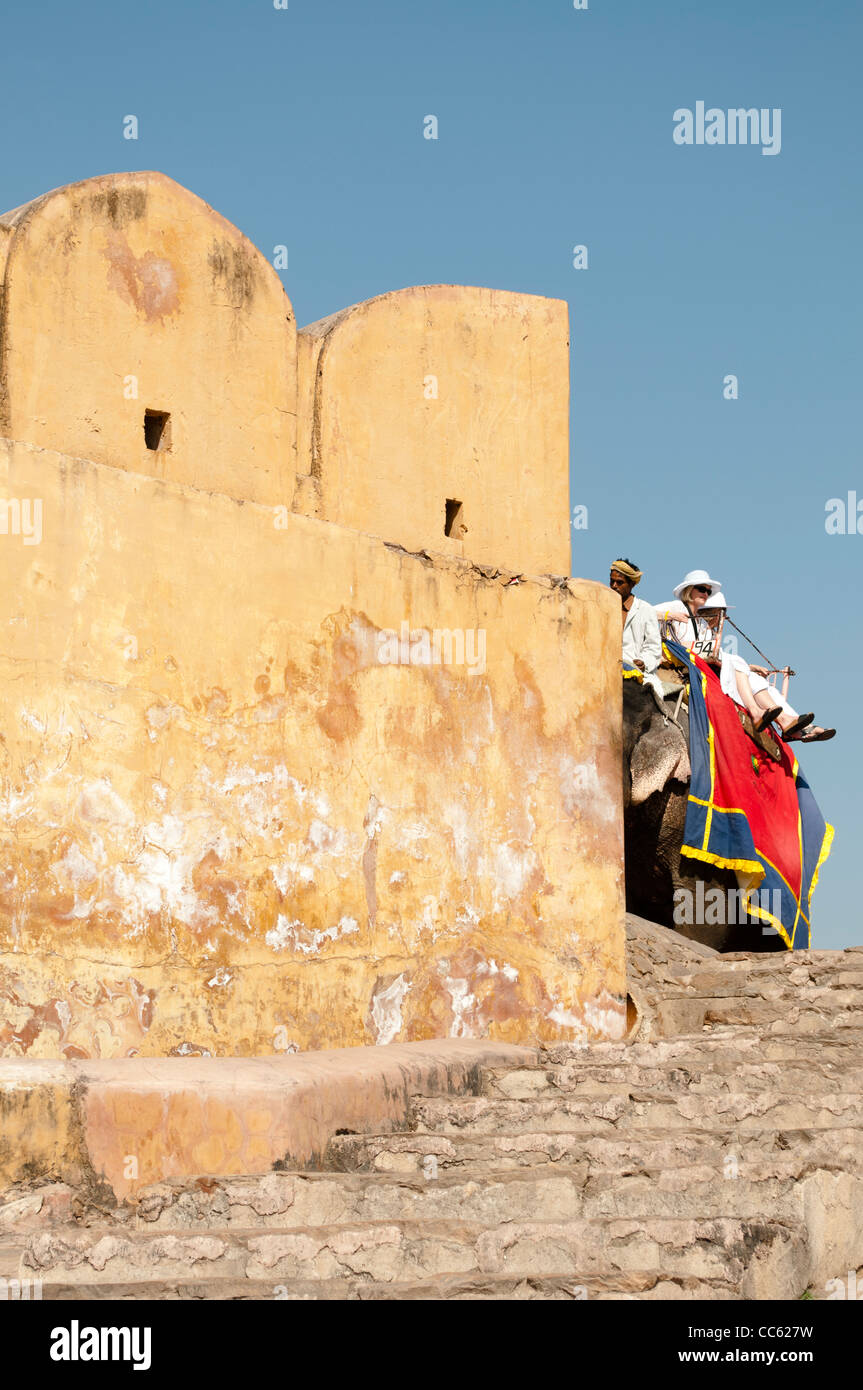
x=227 y=830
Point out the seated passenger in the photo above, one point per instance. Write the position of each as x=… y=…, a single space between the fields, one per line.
x=749 y=687
x=641 y=641
x=680 y=618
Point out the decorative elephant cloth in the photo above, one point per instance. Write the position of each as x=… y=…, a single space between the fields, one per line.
x=750 y=810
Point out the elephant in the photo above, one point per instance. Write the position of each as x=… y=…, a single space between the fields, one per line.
x=656 y=775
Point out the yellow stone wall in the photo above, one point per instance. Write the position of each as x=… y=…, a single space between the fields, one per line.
x=127 y=293
x=442 y=392
x=225 y=826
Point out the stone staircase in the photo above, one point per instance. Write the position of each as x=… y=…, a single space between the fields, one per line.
x=718 y=1154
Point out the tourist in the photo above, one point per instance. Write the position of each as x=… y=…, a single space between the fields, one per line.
x=681 y=620
x=750 y=687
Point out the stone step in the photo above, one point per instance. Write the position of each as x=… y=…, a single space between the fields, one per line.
x=828 y=1204
x=844 y=990
x=751 y=1189
x=726 y=1016
x=789 y=1017
x=793 y=965
x=731 y=1046
x=486 y=1287
x=756 y=1259
x=284 y=1201
x=650 y=1109
x=787 y=974
x=691 y=1014
x=608 y=1079
x=765 y=1152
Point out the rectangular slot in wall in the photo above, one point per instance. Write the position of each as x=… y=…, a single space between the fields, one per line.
x=157 y=429
x=454 y=519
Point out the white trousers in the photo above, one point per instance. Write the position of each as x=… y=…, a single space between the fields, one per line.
x=727 y=680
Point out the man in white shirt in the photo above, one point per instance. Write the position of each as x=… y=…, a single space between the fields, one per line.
x=641 y=641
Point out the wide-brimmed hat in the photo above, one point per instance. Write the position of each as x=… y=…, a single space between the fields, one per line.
x=697 y=577
x=716 y=600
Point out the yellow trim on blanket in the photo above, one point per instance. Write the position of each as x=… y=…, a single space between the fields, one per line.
x=775 y=922
x=749 y=866
x=721 y=810
x=826 y=846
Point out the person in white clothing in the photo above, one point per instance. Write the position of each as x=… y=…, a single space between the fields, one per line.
x=749 y=687
x=641 y=645
x=681 y=619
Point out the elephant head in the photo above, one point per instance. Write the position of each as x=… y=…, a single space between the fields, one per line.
x=655 y=745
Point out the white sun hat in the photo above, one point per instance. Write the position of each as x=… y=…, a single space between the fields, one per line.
x=716 y=600
x=697 y=577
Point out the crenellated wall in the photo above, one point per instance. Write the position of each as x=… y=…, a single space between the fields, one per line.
x=442 y=393
x=125 y=295
x=274 y=781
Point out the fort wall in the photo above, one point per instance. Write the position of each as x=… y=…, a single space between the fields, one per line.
x=274 y=781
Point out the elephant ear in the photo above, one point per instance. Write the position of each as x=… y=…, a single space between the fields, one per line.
x=660 y=756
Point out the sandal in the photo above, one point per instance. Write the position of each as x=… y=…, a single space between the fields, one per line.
x=767 y=718
x=799 y=723
x=818 y=735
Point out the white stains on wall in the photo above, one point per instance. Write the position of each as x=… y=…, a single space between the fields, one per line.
x=565 y=1018
x=74 y=869
x=325 y=840
x=411 y=836
x=490 y=967
x=462 y=1002
x=283 y=933
x=276 y=779
x=32 y=721
x=286 y=875
x=158 y=717
x=229 y=844
x=99 y=802
x=374 y=819
x=463 y=835
x=467 y=916
x=163 y=870
x=79 y=876
x=602 y=1017
x=512 y=869
x=606 y=1016
x=293 y=935
x=429 y=922
x=387 y=1010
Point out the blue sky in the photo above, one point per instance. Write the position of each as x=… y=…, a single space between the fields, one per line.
x=304 y=127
